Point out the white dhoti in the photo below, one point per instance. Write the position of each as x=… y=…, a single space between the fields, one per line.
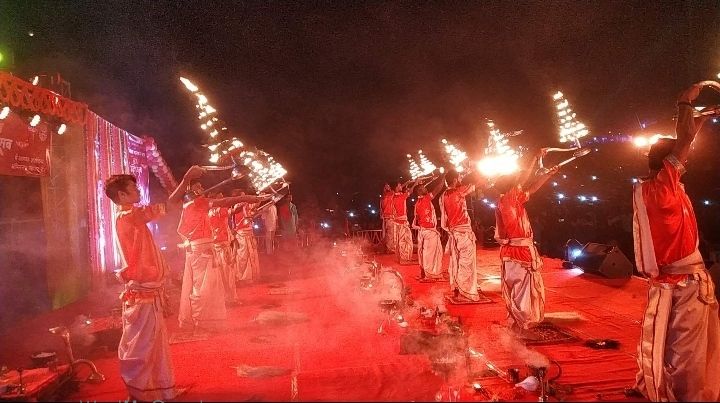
x=463 y=262
x=225 y=261
x=679 y=349
x=403 y=241
x=389 y=233
x=522 y=286
x=144 y=352
x=202 y=298
x=430 y=252
x=246 y=257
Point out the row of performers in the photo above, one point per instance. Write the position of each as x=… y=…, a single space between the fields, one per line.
x=522 y=285
x=220 y=251
x=679 y=348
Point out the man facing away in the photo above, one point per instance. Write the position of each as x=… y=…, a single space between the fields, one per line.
x=522 y=286
x=386 y=209
x=246 y=251
x=425 y=221
x=288 y=215
x=202 y=297
x=144 y=352
x=224 y=253
x=270 y=219
x=403 y=242
x=679 y=349
x=461 y=240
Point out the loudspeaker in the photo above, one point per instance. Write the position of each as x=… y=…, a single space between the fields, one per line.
x=605 y=260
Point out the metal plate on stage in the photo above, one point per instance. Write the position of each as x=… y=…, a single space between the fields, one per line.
x=547 y=333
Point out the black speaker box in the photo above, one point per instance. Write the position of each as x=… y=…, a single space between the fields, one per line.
x=605 y=260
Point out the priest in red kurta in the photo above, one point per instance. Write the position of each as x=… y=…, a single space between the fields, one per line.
x=679 y=349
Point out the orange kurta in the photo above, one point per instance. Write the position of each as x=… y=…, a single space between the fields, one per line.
x=399 y=206
x=672 y=219
x=515 y=223
x=218 y=220
x=425 y=216
x=386 y=206
x=455 y=206
x=142 y=260
x=194 y=223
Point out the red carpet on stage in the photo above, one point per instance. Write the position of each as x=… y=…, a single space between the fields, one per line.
x=309 y=332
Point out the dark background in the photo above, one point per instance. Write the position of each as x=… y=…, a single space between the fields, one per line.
x=339 y=92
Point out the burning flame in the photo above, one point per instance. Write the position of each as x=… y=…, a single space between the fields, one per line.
x=571 y=130
x=427 y=166
x=500 y=158
x=264 y=170
x=415 y=170
x=456 y=156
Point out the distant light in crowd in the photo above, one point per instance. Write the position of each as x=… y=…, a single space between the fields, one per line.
x=594 y=198
x=325 y=225
x=338 y=193
x=35 y=120
x=554 y=183
x=492 y=205
x=564 y=176
x=486 y=201
x=714 y=120
x=412 y=200
x=706 y=202
x=351 y=214
x=256 y=226
x=635 y=180
x=582 y=198
x=4 y=112
x=373 y=211
x=575 y=253
x=62 y=128
x=560 y=196
x=31 y=33
x=163 y=248
x=35 y=80
x=593 y=177
x=369 y=205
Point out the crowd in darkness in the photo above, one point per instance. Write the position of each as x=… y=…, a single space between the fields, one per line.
x=590 y=201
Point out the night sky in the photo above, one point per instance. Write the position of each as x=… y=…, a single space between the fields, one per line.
x=339 y=92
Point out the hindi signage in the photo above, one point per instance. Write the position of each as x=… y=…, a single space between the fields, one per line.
x=24 y=150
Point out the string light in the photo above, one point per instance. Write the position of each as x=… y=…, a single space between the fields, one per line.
x=62 y=129
x=571 y=129
x=4 y=112
x=35 y=120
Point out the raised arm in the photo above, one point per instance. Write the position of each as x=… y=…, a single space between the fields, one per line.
x=439 y=184
x=192 y=173
x=686 y=127
x=474 y=180
x=540 y=180
x=528 y=172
